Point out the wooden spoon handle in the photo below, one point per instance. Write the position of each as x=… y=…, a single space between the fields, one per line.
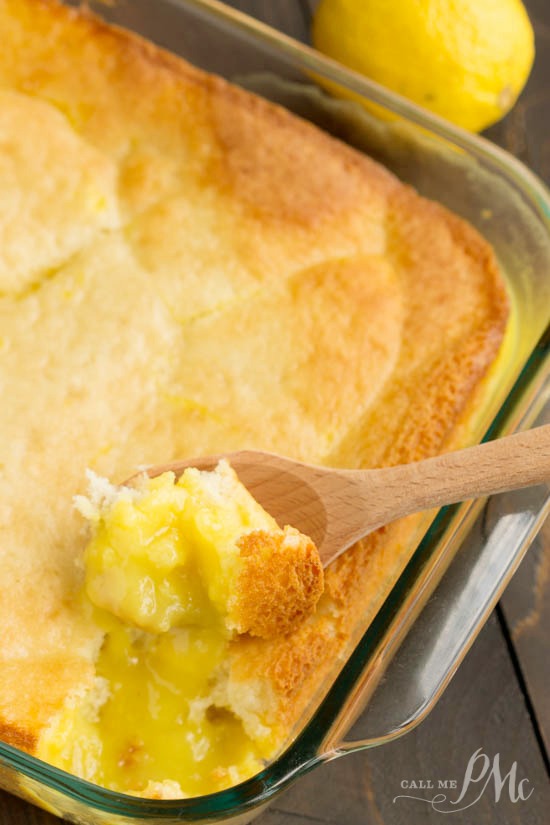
x=509 y=463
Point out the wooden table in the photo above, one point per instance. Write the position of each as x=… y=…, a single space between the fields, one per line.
x=499 y=700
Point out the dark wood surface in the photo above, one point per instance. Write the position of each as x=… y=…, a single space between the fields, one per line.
x=499 y=700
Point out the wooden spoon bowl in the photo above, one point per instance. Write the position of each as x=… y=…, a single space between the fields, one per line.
x=336 y=507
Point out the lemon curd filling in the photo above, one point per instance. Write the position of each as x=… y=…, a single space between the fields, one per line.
x=167 y=577
x=166 y=556
x=151 y=720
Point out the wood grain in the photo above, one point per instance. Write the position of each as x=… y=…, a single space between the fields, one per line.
x=14 y=811
x=482 y=708
x=525 y=132
x=526 y=613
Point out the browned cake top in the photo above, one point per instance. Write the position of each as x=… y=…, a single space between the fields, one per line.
x=187 y=269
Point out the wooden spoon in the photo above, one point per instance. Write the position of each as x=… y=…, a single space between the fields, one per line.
x=336 y=508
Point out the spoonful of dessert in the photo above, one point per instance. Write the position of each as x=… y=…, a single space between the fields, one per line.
x=238 y=542
x=338 y=507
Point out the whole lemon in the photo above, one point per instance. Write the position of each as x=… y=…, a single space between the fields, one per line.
x=466 y=60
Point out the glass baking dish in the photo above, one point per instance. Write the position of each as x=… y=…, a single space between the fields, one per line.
x=399 y=667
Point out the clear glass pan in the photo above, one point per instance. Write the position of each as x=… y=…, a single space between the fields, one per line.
x=401 y=665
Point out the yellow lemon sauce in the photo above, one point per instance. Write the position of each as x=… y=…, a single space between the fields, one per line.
x=161 y=570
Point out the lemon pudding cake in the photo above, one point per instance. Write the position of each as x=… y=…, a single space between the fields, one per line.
x=187 y=269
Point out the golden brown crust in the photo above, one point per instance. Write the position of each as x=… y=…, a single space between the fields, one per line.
x=32 y=690
x=249 y=282
x=22 y=739
x=280 y=582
